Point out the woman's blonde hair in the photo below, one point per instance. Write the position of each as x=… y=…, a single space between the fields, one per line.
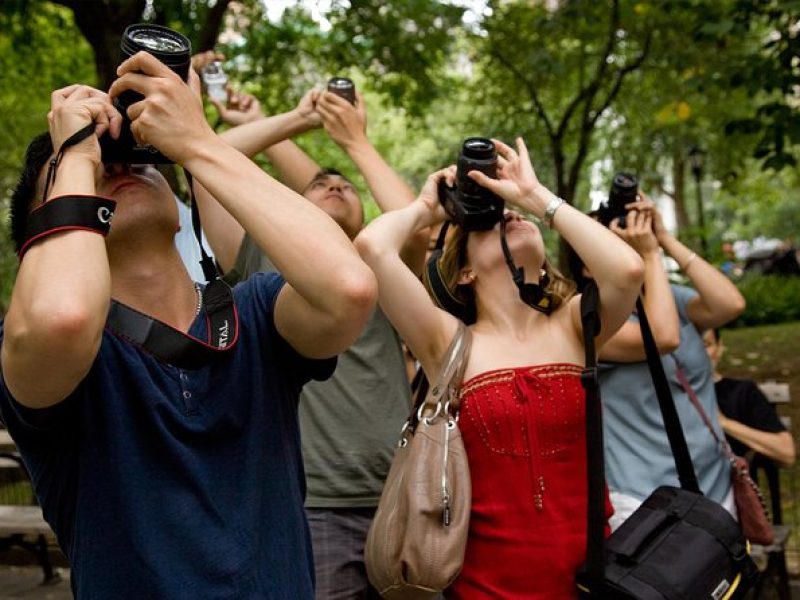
x=453 y=259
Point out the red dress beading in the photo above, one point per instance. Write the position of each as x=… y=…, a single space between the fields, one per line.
x=524 y=432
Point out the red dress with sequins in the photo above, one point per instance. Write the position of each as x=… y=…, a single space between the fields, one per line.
x=524 y=432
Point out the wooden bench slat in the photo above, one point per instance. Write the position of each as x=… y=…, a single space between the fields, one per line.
x=776 y=392
x=6 y=443
x=26 y=520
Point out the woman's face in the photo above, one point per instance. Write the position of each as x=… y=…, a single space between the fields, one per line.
x=484 y=250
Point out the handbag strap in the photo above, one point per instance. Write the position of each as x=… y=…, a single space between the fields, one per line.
x=672 y=423
x=450 y=376
x=687 y=387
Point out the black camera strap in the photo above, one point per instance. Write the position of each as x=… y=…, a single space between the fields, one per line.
x=75 y=138
x=65 y=213
x=169 y=344
x=532 y=294
x=175 y=347
x=206 y=262
x=595 y=559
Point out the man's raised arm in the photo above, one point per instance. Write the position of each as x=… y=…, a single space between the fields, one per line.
x=61 y=295
x=330 y=292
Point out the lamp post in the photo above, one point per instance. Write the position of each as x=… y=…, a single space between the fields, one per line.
x=696 y=159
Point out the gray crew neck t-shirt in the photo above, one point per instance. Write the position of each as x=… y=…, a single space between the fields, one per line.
x=350 y=424
x=638 y=456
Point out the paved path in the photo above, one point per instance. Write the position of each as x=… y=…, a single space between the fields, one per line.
x=26 y=582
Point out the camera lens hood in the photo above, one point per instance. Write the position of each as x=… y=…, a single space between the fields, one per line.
x=478 y=148
x=167 y=45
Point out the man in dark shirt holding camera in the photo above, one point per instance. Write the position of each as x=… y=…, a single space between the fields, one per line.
x=161 y=481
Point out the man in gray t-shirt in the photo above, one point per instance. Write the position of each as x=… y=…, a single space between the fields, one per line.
x=351 y=424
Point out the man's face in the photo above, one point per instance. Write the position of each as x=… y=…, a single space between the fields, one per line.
x=142 y=194
x=339 y=199
x=713 y=347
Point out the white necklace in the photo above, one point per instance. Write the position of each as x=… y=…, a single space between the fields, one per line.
x=199 y=298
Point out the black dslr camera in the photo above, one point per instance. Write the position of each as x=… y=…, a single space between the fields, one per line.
x=472 y=207
x=624 y=189
x=344 y=88
x=171 y=48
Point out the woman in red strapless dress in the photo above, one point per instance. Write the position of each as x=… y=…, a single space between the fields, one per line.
x=523 y=430
x=521 y=409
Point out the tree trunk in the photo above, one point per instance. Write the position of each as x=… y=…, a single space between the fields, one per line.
x=679 y=197
x=102 y=25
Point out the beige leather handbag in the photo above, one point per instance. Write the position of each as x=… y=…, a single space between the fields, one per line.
x=415 y=547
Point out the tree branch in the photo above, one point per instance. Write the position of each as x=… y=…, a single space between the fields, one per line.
x=588 y=93
x=207 y=38
x=621 y=74
x=540 y=110
x=590 y=117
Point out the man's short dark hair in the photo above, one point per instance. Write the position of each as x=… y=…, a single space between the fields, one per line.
x=36 y=156
x=323 y=173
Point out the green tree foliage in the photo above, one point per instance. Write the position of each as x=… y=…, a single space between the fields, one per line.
x=594 y=87
x=761 y=40
x=559 y=66
x=40 y=50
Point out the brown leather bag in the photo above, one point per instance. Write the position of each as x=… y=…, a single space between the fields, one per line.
x=751 y=508
x=415 y=547
x=750 y=504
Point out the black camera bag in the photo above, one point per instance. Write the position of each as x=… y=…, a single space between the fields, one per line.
x=678 y=545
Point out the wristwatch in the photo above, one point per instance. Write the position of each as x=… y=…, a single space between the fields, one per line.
x=551 y=209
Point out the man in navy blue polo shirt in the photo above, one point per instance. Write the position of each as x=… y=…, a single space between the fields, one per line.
x=160 y=481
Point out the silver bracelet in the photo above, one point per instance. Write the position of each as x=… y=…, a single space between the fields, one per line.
x=550 y=211
x=685 y=266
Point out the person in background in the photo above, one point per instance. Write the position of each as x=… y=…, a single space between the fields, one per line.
x=638 y=455
x=351 y=424
x=749 y=420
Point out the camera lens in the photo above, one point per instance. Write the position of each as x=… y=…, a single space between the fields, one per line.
x=170 y=47
x=623 y=189
x=147 y=40
x=479 y=149
x=343 y=87
x=477 y=154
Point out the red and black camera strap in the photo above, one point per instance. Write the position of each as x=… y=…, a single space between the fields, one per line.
x=65 y=213
x=92 y=213
x=175 y=347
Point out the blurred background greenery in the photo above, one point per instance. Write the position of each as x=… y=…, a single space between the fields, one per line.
x=593 y=86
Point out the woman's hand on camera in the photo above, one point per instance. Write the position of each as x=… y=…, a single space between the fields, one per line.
x=645 y=203
x=429 y=195
x=517 y=183
x=638 y=231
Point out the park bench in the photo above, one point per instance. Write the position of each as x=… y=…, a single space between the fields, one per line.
x=21 y=520
x=774 y=574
